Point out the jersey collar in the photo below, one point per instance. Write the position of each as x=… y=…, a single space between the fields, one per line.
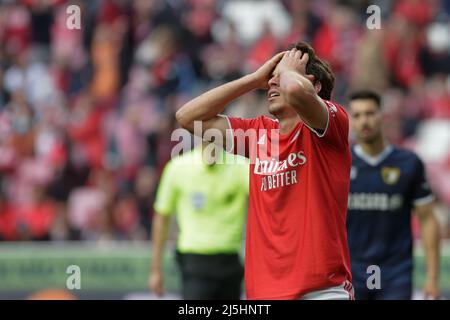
x=373 y=160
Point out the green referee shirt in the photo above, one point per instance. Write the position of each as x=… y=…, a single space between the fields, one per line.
x=210 y=202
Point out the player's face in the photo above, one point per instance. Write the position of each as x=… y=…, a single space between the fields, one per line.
x=366 y=120
x=276 y=100
x=277 y=103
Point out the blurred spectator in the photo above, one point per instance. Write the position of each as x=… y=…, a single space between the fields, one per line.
x=37 y=217
x=370 y=69
x=145 y=186
x=305 y=22
x=7 y=219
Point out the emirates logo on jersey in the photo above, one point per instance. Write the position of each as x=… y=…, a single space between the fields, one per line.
x=266 y=167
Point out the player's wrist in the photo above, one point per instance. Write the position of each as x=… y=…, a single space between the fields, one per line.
x=292 y=73
x=255 y=80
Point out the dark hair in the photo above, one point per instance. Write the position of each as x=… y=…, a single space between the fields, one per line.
x=320 y=69
x=366 y=94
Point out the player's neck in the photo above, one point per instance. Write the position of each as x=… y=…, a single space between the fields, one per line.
x=373 y=148
x=287 y=124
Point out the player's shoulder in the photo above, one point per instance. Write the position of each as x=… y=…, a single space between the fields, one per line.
x=334 y=106
x=407 y=158
x=356 y=156
x=261 y=121
x=337 y=111
x=405 y=155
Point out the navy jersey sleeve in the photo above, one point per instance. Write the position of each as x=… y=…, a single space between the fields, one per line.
x=421 y=193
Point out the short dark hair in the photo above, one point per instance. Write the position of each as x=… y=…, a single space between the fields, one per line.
x=366 y=94
x=320 y=69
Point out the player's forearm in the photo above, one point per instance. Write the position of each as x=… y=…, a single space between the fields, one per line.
x=431 y=242
x=297 y=90
x=300 y=93
x=160 y=230
x=214 y=101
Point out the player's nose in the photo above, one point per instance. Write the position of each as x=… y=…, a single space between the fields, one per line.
x=273 y=81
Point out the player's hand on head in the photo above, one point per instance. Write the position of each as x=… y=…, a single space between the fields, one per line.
x=264 y=73
x=156 y=283
x=295 y=60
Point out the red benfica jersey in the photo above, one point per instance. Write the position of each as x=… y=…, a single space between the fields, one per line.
x=299 y=184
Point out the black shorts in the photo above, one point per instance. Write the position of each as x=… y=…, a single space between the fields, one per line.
x=210 y=277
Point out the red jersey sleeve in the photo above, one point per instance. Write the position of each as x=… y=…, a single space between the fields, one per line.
x=337 y=128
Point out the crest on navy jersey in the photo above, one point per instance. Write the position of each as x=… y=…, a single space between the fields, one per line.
x=390 y=175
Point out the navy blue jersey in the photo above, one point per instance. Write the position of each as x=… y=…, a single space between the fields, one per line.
x=383 y=191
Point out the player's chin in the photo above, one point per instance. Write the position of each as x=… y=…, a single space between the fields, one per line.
x=275 y=108
x=367 y=137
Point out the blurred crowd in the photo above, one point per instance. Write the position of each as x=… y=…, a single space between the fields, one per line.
x=86 y=115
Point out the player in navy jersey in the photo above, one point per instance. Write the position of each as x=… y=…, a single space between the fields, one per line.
x=386 y=184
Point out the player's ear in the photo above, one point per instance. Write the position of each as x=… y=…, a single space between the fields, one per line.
x=317 y=86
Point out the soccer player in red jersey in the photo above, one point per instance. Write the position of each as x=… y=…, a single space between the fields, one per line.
x=299 y=176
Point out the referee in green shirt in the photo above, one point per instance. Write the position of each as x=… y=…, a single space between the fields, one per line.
x=210 y=203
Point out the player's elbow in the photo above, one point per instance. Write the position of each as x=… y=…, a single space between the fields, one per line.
x=292 y=89
x=180 y=117
x=298 y=95
x=183 y=118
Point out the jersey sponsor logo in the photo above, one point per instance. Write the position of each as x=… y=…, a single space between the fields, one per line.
x=264 y=167
x=281 y=179
x=374 y=201
x=390 y=175
x=279 y=173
